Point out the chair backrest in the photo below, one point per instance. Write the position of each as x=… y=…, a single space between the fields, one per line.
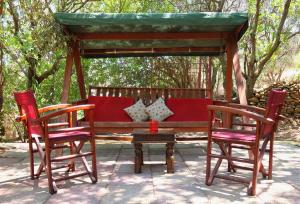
x=274 y=105
x=27 y=105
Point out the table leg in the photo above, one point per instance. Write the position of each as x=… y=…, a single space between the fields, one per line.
x=142 y=155
x=170 y=157
x=138 y=158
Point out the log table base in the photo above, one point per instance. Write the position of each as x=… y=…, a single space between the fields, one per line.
x=142 y=136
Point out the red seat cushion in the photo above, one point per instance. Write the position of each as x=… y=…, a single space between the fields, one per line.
x=69 y=135
x=236 y=136
x=188 y=109
x=111 y=108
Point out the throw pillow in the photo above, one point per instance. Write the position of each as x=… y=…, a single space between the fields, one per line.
x=158 y=110
x=137 y=111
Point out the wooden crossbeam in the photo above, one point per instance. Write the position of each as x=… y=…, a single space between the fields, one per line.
x=152 y=50
x=152 y=36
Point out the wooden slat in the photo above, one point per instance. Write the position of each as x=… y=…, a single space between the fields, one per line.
x=152 y=95
x=73 y=156
x=71 y=176
x=117 y=92
x=149 y=93
x=231 y=178
x=160 y=93
x=110 y=92
x=135 y=94
x=123 y=92
x=104 y=91
x=166 y=93
x=146 y=96
x=98 y=93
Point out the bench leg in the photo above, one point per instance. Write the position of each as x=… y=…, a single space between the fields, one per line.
x=170 y=157
x=138 y=158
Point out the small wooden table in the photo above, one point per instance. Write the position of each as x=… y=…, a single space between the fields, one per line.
x=141 y=136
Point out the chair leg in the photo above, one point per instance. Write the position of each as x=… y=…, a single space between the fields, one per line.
x=271 y=158
x=51 y=183
x=262 y=151
x=229 y=154
x=41 y=155
x=72 y=162
x=94 y=160
x=252 y=186
x=31 y=158
x=208 y=161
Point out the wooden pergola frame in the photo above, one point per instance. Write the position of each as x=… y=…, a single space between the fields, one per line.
x=232 y=63
x=230 y=47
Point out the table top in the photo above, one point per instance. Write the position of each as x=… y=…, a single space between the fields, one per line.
x=146 y=131
x=146 y=136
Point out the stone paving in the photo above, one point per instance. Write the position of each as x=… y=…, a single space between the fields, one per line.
x=119 y=184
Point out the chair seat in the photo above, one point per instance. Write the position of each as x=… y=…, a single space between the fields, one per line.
x=233 y=136
x=69 y=136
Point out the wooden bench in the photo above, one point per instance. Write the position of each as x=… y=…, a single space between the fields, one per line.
x=148 y=95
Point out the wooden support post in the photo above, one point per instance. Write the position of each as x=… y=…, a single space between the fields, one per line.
x=79 y=71
x=1 y=7
x=67 y=77
x=228 y=78
x=199 y=73
x=229 y=63
x=208 y=79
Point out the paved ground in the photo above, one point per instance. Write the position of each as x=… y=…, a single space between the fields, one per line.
x=118 y=184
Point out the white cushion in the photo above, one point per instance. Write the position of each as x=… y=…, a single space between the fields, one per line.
x=158 y=110
x=137 y=111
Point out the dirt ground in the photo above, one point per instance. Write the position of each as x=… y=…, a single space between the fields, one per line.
x=289 y=130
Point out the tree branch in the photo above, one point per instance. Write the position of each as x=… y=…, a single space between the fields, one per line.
x=253 y=34
x=13 y=12
x=293 y=35
x=277 y=38
x=49 y=72
x=14 y=57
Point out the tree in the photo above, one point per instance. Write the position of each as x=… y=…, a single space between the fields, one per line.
x=33 y=49
x=269 y=28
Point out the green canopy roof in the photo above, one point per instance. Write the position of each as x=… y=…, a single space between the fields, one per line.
x=142 y=34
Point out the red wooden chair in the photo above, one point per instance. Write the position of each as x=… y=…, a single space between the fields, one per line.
x=40 y=128
x=266 y=121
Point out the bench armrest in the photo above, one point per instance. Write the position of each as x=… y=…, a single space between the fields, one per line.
x=80 y=102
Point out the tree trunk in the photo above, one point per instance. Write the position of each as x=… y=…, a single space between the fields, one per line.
x=2 y=128
x=250 y=83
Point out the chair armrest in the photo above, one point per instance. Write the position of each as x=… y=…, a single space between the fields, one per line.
x=43 y=110
x=64 y=111
x=259 y=110
x=249 y=108
x=21 y=118
x=241 y=112
x=53 y=107
x=282 y=117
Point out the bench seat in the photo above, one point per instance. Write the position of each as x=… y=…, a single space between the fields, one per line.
x=127 y=127
x=149 y=95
